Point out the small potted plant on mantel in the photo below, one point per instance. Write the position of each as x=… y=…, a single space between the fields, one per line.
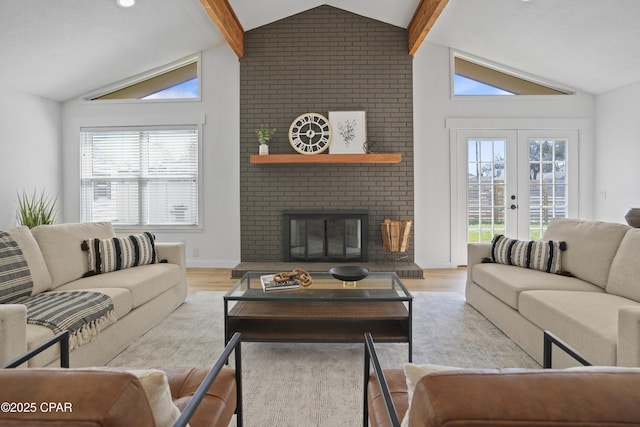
x=264 y=134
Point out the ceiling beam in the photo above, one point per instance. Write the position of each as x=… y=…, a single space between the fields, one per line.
x=423 y=19
x=224 y=17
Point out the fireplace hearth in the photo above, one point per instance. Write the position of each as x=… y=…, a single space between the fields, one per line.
x=322 y=236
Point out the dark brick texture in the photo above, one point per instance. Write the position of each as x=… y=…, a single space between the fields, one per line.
x=325 y=59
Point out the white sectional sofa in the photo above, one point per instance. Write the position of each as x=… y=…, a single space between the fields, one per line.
x=142 y=295
x=594 y=305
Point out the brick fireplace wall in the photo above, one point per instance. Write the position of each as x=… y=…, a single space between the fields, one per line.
x=325 y=59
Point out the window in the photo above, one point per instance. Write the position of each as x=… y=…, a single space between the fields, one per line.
x=188 y=89
x=177 y=81
x=135 y=177
x=465 y=86
x=474 y=78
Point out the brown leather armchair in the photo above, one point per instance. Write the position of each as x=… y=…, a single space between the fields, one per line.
x=80 y=397
x=508 y=398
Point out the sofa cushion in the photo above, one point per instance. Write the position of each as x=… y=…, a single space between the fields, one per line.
x=32 y=254
x=60 y=246
x=118 y=253
x=517 y=398
x=144 y=282
x=82 y=313
x=219 y=403
x=36 y=335
x=397 y=385
x=535 y=254
x=591 y=246
x=120 y=297
x=91 y=398
x=625 y=268
x=506 y=281
x=587 y=321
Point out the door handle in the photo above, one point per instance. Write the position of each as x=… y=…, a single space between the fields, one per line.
x=513 y=207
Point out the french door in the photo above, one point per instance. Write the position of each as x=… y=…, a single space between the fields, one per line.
x=512 y=182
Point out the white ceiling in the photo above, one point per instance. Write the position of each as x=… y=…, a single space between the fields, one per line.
x=590 y=45
x=65 y=48
x=253 y=14
x=61 y=49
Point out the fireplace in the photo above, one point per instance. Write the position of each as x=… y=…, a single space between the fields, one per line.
x=321 y=236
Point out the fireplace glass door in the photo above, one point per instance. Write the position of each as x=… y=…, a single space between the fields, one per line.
x=324 y=238
x=307 y=239
x=344 y=238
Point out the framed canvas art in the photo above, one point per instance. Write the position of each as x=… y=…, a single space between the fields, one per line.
x=349 y=132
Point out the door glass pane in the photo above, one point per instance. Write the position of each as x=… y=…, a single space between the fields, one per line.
x=485 y=189
x=547 y=183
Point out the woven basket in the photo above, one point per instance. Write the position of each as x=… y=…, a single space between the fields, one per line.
x=395 y=235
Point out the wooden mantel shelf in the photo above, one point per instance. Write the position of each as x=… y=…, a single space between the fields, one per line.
x=317 y=159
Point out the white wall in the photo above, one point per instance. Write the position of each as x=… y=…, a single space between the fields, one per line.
x=217 y=243
x=433 y=105
x=617 y=153
x=30 y=144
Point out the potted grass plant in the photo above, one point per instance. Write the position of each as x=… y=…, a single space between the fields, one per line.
x=36 y=209
x=264 y=134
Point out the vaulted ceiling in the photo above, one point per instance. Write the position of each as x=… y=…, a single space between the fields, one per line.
x=65 y=48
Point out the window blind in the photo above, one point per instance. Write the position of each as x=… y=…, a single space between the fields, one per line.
x=144 y=176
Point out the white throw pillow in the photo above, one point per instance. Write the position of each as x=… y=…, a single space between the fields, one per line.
x=413 y=374
x=156 y=385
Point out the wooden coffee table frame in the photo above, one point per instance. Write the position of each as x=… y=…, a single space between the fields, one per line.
x=320 y=315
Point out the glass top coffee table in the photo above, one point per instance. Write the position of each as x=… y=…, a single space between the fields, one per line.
x=323 y=312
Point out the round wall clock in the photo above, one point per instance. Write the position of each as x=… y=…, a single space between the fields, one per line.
x=310 y=133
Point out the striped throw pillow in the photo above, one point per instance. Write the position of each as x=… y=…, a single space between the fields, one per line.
x=15 y=276
x=117 y=253
x=543 y=255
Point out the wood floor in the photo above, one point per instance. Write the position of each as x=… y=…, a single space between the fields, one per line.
x=219 y=279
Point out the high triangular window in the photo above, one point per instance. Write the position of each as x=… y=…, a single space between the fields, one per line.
x=172 y=82
x=467 y=86
x=474 y=78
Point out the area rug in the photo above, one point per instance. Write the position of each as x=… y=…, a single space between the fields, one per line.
x=320 y=385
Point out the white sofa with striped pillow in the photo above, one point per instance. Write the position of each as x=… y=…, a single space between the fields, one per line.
x=142 y=295
x=593 y=303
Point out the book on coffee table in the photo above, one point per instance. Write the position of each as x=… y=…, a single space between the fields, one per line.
x=269 y=284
